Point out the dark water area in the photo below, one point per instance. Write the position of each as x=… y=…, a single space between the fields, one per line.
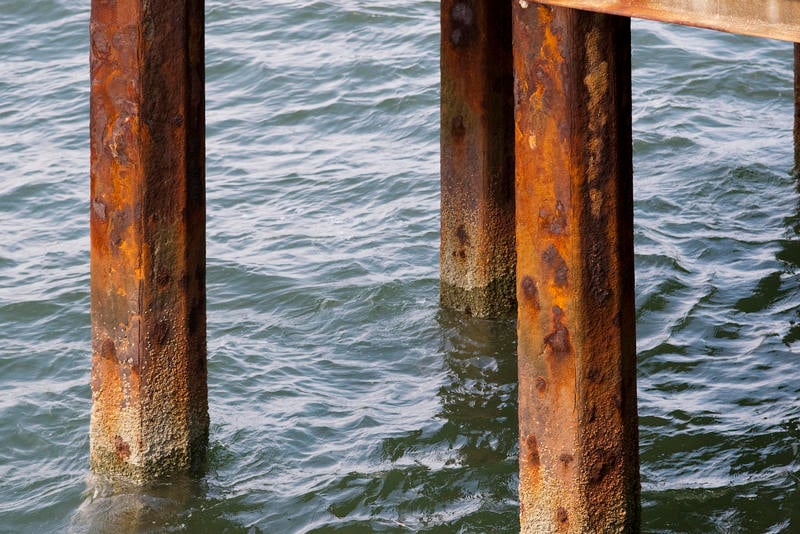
x=342 y=398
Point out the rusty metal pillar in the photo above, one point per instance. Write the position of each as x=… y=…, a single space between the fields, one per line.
x=477 y=148
x=576 y=327
x=797 y=108
x=149 y=412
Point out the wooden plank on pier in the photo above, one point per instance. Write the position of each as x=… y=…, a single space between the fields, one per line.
x=774 y=19
x=578 y=428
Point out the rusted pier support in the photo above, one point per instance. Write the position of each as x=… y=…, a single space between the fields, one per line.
x=477 y=138
x=149 y=412
x=797 y=109
x=576 y=330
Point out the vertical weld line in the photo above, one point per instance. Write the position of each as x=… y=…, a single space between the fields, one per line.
x=187 y=130
x=796 y=129
x=186 y=240
x=571 y=86
x=142 y=199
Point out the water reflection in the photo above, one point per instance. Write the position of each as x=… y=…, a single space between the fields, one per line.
x=457 y=471
x=789 y=253
x=772 y=290
x=466 y=462
x=180 y=504
x=479 y=400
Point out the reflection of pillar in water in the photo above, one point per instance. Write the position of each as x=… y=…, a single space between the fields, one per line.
x=478 y=398
x=118 y=506
x=790 y=252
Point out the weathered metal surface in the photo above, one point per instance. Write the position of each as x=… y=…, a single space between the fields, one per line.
x=576 y=327
x=477 y=148
x=775 y=19
x=797 y=109
x=149 y=412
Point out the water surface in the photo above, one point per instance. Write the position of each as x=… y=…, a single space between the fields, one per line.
x=342 y=398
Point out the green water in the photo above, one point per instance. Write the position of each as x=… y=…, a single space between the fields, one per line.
x=342 y=398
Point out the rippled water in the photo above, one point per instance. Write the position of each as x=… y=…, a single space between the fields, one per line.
x=342 y=398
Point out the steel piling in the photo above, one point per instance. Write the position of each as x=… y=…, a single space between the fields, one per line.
x=477 y=167
x=574 y=233
x=147 y=226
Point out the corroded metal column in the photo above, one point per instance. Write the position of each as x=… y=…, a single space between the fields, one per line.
x=149 y=412
x=477 y=146
x=797 y=108
x=576 y=326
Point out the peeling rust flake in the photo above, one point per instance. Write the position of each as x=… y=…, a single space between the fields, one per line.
x=107 y=350
x=529 y=291
x=462 y=18
x=541 y=384
x=122 y=449
x=533 y=451
x=557 y=264
x=558 y=341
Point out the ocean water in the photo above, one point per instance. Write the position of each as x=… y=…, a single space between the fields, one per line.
x=342 y=398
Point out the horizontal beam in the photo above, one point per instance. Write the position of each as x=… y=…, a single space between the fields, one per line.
x=773 y=19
